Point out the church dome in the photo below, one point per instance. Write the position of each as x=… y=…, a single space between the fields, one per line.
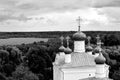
x=97 y=49
x=100 y=59
x=89 y=48
x=79 y=36
x=67 y=50
x=62 y=48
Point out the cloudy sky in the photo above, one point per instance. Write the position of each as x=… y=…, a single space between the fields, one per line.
x=59 y=15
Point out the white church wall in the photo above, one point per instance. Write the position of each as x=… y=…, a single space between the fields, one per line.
x=56 y=73
x=78 y=73
x=77 y=76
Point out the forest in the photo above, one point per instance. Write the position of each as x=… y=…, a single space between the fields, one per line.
x=53 y=34
x=34 y=61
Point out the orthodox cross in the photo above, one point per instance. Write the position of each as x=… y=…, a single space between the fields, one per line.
x=62 y=38
x=89 y=38
x=99 y=43
x=98 y=38
x=67 y=38
x=79 y=19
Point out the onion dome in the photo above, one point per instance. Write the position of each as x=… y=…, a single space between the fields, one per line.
x=89 y=48
x=68 y=50
x=79 y=36
x=62 y=48
x=100 y=59
x=97 y=49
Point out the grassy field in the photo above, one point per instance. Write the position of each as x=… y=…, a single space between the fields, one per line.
x=18 y=41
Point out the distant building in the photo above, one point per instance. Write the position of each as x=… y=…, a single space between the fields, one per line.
x=79 y=65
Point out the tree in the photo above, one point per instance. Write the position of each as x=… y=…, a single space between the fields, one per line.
x=54 y=44
x=23 y=73
x=4 y=57
x=15 y=56
x=8 y=68
x=116 y=75
x=111 y=40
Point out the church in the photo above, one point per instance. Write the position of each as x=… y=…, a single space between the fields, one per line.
x=79 y=64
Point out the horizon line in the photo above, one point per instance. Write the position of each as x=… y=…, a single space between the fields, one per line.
x=65 y=31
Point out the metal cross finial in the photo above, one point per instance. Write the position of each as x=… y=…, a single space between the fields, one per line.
x=61 y=38
x=89 y=38
x=79 y=19
x=99 y=43
x=98 y=38
x=67 y=38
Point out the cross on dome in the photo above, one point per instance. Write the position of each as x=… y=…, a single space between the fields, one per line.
x=61 y=38
x=98 y=38
x=67 y=38
x=79 y=36
x=79 y=19
x=89 y=38
x=99 y=43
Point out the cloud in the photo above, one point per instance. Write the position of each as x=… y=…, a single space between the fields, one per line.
x=105 y=3
x=111 y=13
x=54 y=4
x=28 y=6
x=11 y=8
x=43 y=6
x=39 y=18
x=34 y=7
x=59 y=13
x=10 y=17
